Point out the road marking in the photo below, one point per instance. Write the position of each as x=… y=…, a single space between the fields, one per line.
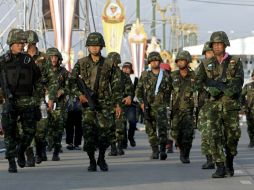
x=245 y=182
x=238 y=172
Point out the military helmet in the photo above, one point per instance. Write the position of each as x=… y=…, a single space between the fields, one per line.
x=183 y=55
x=127 y=64
x=95 y=39
x=32 y=37
x=54 y=51
x=115 y=57
x=206 y=48
x=219 y=36
x=154 y=56
x=16 y=36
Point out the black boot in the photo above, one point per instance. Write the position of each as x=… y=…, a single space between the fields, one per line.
x=229 y=165
x=92 y=167
x=155 y=153
x=30 y=162
x=131 y=134
x=185 y=155
x=38 y=157
x=120 y=151
x=12 y=166
x=163 y=154
x=220 y=171
x=101 y=161
x=21 y=156
x=209 y=163
x=44 y=153
x=113 y=151
x=251 y=144
x=56 y=154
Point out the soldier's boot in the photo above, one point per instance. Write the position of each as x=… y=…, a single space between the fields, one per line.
x=163 y=154
x=30 y=160
x=184 y=155
x=55 y=156
x=209 y=163
x=229 y=165
x=92 y=167
x=21 y=156
x=113 y=151
x=44 y=153
x=251 y=144
x=101 y=162
x=220 y=171
x=170 y=146
x=38 y=157
x=155 y=153
x=120 y=150
x=12 y=166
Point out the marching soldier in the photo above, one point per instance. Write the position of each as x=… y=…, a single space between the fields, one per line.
x=183 y=105
x=247 y=100
x=223 y=77
x=101 y=91
x=153 y=93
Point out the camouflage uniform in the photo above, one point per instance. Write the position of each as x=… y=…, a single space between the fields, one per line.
x=182 y=108
x=20 y=103
x=57 y=116
x=247 y=100
x=223 y=82
x=158 y=106
x=203 y=120
x=127 y=90
x=41 y=129
x=105 y=84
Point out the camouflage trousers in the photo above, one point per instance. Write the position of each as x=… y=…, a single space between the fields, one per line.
x=224 y=131
x=250 y=123
x=56 y=121
x=26 y=116
x=182 y=128
x=156 y=127
x=202 y=127
x=97 y=127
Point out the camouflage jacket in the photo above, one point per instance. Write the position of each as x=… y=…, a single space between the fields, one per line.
x=233 y=78
x=109 y=90
x=247 y=96
x=183 y=90
x=127 y=86
x=147 y=83
x=60 y=78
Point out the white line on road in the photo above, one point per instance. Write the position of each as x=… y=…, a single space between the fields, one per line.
x=245 y=182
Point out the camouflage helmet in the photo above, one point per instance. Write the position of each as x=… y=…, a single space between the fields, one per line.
x=127 y=64
x=16 y=36
x=154 y=56
x=183 y=55
x=115 y=57
x=95 y=39
x=219 y=36
x=32 y=37
x=206 y=48
x=54 y=51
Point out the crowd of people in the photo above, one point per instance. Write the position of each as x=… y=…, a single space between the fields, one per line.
x=101 y=100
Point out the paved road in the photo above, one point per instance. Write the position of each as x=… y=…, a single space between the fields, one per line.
x=133 y=171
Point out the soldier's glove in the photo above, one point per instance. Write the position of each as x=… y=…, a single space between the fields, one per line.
x=228 y=93
x=214 y=91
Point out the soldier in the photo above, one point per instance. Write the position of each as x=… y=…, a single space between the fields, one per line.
x=20 y=79
x=57 y=116
x=153 y=93
x=40 y=135
x=130 y=111
x=127 y=94
x=247 y=101
x=202 y=116
x=99 y=79
x=223 y=77
x=182 y=105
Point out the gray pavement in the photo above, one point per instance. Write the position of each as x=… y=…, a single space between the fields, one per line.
x=132 y=171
